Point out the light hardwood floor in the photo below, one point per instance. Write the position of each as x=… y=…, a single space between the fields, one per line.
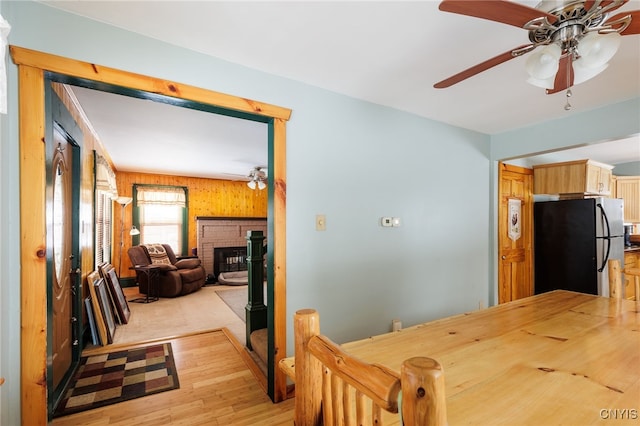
x=216 y=388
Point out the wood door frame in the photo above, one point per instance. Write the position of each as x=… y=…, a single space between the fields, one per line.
x=32 y=67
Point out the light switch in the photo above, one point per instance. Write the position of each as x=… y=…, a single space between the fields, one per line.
x=395 y=221
x=321 y=222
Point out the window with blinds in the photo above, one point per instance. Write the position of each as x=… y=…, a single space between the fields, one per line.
x=104 y=190
x=162 y=213
x=103 y=227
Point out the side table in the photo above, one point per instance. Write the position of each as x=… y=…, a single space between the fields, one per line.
x=153 y=283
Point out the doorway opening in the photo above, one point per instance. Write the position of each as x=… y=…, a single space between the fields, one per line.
x=32 y=67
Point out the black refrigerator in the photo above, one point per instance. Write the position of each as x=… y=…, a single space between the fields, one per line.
x=573 y=240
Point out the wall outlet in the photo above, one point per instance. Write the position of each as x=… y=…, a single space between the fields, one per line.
x=396 y=325
x=386 y=221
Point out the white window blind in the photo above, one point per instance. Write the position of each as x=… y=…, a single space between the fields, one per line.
x=105 y=191
x=167 y=196
x=103 y=228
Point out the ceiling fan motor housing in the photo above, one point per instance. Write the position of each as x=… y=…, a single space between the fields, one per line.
x=574 y=22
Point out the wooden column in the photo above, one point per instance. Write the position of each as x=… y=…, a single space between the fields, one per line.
x=615 y=280
x=308 y=408
x=256 y=310
x=423 y=399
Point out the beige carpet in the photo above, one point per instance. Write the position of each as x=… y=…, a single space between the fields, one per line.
x=168 y=317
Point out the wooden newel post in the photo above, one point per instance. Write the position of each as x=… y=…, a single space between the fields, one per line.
x=423 y=398
x=306 y=324
x=256 y=310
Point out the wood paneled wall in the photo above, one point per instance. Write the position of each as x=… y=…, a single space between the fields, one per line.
x=207 y=197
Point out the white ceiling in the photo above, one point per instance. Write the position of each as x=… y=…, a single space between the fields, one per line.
x=390 y=53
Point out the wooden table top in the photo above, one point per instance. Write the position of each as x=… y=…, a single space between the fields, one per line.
x=555 y=358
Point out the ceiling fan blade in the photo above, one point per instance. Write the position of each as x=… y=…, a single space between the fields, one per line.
x=506 y=12
x=604 y=3
x=477 y=69
x=634 y=26
x=564 y=76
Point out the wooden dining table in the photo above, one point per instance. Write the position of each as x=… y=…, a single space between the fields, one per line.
x=558 y=358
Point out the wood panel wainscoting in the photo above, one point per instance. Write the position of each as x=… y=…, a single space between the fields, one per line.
x=32 y=67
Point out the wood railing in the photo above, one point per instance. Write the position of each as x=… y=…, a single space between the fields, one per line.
x=334 y=388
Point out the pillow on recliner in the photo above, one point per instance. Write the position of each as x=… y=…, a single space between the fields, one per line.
x=157 y=254
x=187 y=263
x=164 y=267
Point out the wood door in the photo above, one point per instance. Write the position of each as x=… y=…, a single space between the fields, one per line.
x=64 y=297
x=515 y=233
x=61 y=279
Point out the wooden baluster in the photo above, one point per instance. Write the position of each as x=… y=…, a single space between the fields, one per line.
x=337 y=401
x=327 y=409
x=308 y=404
x=423 y=399
x=615 y=280
x=361 y=405
x=347 y=405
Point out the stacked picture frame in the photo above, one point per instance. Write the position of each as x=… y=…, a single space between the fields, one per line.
x=106 y=305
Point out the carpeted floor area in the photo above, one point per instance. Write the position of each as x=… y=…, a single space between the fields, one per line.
x=236 y=299
x=169 y=317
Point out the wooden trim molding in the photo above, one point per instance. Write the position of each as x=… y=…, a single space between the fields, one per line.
x=32 y=66
x=71 y=67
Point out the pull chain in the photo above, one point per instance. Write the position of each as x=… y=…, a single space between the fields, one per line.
x=567 y=106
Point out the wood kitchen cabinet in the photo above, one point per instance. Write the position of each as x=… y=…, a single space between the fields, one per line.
x=628 y=188
x=582 y=177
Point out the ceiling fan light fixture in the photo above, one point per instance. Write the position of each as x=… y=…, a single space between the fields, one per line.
x=261 y=185
x=251 y=184
x=596 y=50
x=546 y=83
x=582 y=73
x=544 y=63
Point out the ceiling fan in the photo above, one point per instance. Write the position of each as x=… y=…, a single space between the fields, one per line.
x=257 y=177
x=577 y=38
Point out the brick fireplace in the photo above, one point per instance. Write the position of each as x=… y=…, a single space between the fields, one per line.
x=216 y=232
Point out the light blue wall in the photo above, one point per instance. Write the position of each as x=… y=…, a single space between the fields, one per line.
x=616 y=121
x=350 y=160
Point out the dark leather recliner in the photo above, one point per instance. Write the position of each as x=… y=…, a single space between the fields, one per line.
x=182 y=276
